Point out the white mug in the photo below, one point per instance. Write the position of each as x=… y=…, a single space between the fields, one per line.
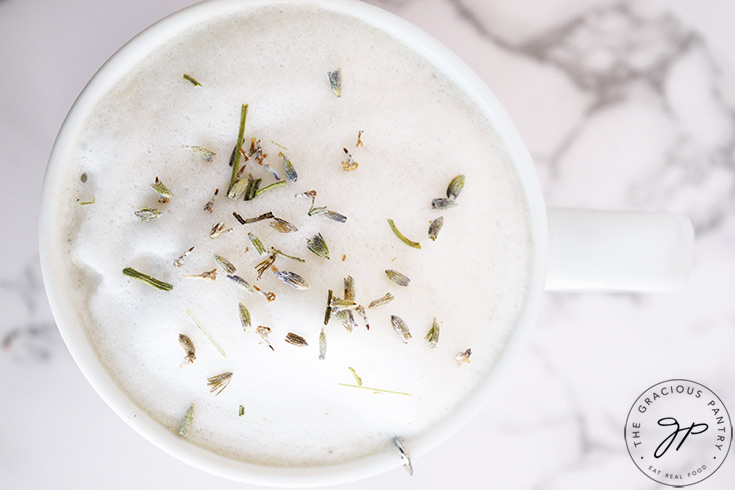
x=572 y=250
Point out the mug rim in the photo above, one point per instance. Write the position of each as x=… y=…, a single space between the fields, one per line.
x=84 y=355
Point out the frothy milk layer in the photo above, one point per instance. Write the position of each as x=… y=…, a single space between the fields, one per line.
x=420 y=130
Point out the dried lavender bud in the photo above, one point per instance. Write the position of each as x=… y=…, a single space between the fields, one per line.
x=185 y=426
x=225 y=264
x=288 y=168
x=435 y=227
x=282 y=226
x=381 y=301
x=188 y=346
x=442 y=203
x=397 y=277
x=455 y=187
x=296 y=340
x=244 y=317
x=432 y=335
x=318 y=246
x=203 y=153
x=401 y=328
x=292 y=279
x=335 y=81
x=164 y=195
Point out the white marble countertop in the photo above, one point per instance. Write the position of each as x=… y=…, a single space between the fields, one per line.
x=624 y=105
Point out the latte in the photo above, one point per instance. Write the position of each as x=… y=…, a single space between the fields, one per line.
x=398 y=133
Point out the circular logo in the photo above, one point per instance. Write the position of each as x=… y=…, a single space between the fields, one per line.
x=678 y=432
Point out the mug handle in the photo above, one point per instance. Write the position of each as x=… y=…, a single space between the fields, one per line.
x=618 y=250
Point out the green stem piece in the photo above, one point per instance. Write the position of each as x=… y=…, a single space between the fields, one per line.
x=206 y=333
x=151 y=281
x=274 y=185
x=402 y=237
x=236 y=153
x=375 y=389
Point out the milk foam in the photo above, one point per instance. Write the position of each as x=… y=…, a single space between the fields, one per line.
x=420 y=130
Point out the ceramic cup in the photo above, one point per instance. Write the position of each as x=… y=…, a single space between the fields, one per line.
x=603 y=250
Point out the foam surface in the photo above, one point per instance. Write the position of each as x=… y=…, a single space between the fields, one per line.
x=420 y=130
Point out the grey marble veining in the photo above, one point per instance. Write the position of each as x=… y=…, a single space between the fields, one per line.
x=29 y=333
x=623 y=105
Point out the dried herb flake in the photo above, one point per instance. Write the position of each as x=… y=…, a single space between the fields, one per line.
x=262 y=217
x=218 y=229
x=263 y=332
x=244 y=317
x=239 y=187
x=335 y=81
x=265 y=265
x=404 y=455
x=443 y=203
x=282 y=226
x=185 y=425
x=358 y=379
x=328 y=311
x=432 y=336
x=463 y=357
x=257 y=244
x=267 y=295
x=191 y=80
x=211 y=275
x=210 y=203
x=322 y=345
x=349 y=164
x=148 y=214
x=238 y=217
x=164 y=194
x=252 y=189
x=381 y=301
x=244 y=285
x=219 y=382
x=182 y=258
x=188 y=346
x=203 y=153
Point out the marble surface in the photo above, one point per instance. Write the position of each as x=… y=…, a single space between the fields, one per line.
x=624 y=105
